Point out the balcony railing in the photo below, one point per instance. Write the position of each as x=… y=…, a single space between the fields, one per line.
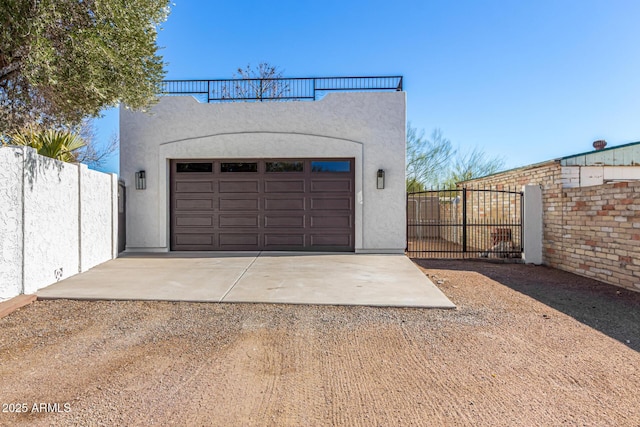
x=277 y=89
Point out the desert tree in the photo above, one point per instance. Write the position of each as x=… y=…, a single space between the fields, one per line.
x=473 y=163
x=64 y=60
x=428 y=159
x=93 y=154
x=264 y=81
x=434 y=162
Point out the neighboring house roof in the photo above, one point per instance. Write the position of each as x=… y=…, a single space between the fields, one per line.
x=519 y=168
x=621 y=155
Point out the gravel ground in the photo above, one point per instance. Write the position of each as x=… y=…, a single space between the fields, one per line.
x=527 y=346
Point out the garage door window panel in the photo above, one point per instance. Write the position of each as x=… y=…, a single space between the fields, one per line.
x=284 y=166
x=236 y=167
x=335 y=166
x=194 y=167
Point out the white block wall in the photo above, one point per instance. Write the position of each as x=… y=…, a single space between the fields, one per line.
x=50 y=204
x=588 y=176
x=11 y=241
x=97 y=211
x=57 y=220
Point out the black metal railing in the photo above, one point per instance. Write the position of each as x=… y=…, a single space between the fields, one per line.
x=277 y=89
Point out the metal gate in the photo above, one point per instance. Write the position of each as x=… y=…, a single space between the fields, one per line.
x=465 y=223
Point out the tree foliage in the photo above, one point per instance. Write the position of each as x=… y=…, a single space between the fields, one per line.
x=63 y=60
x=434 y=163
x=473 y=164
x=427 y=158
x=93 y=154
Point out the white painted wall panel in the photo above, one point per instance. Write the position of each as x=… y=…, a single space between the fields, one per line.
x=50 y=221
x=11 y=163
x=40 y=221
x=96 y=218
x=587 y=176
x=621 y=173
x=591 y=175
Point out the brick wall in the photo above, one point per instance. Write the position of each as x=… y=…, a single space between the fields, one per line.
x=602 y=233
x=592 y=231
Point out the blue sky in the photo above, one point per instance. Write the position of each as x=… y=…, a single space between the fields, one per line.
x=528 y=81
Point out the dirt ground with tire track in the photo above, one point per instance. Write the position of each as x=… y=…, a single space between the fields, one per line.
x=526 y=346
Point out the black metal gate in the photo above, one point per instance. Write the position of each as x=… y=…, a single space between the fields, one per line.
x=465 y=223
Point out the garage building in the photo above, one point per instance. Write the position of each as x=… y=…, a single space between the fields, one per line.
x=319 y=174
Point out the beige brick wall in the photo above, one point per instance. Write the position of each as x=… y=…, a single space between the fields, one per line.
x=602 y=233
x=591 y=231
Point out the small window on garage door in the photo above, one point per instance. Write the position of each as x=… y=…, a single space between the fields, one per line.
x=285 y=166
x=331 y=166
x=238 y=167
x=194 y=167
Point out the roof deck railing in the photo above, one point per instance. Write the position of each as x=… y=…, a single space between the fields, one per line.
x=277 y=89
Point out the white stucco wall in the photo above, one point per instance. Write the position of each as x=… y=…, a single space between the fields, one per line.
x=51 y=221
x=41 y=225
x=11 y=161
x=96 y=237
x=369 y=127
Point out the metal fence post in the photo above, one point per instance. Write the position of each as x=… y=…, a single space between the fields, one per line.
x=406 y=204
x=464 y=219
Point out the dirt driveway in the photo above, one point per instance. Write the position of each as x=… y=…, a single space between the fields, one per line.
x=526 y=346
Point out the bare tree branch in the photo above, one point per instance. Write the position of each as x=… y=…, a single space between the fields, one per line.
x=261 y=82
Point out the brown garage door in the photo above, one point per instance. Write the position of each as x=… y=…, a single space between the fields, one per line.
x=265 y=204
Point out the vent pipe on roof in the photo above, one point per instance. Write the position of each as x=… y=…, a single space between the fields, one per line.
x=599 y=144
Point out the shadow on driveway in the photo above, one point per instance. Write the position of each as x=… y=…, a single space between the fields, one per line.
x=609 y=309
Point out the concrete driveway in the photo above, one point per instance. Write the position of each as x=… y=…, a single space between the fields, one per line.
x=256 y=277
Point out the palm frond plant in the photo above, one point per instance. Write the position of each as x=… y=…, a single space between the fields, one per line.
x=57 y=144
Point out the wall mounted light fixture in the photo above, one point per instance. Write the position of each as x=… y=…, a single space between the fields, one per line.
x=380 y=180
x=141 y=180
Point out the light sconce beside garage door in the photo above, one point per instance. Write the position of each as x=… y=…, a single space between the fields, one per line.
x=380 y=180
x=141 y=180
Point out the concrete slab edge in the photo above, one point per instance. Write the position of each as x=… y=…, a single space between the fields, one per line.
x=215 y=301
x=15 y=303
